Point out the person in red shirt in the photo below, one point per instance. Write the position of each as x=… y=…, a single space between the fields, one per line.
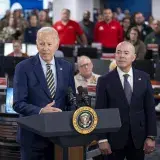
x=69 y=30
x=108 y=32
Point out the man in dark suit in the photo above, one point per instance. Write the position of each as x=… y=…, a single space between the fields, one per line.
x=40 y=86
x=129 y=90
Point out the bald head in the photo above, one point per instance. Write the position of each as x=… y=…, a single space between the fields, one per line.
x=126 y=45
x=86 y=15
x=125 y=55
x=65 y=15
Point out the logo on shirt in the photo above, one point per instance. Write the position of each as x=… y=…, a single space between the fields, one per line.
x=101 y=28
x=70 y=27
x=113 y=27
x=59 y=27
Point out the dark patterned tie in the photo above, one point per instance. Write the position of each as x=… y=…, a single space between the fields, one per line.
x=50 y=80
x=127 y=88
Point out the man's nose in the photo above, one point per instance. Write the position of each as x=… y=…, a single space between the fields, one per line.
x=45 y=48
x=122 y=55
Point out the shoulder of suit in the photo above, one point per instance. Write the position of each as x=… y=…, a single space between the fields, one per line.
x=63 y=61
x=108 y=75
x=141 y=73
x=26 y=63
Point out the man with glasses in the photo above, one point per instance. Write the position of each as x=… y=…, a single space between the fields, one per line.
x=85 y=75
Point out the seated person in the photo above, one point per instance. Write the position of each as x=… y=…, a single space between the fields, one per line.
x=153 y=37
x=112 y=65
x=134 y=38
x=85 y=75
x=17 y=47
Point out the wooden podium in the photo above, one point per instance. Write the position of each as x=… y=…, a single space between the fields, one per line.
x=74 y=153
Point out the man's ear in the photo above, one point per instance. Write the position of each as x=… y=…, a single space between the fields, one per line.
x=57 y=46
x=134 y=57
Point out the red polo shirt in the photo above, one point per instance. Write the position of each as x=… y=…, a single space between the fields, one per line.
x=109 y=34
x=68 y=33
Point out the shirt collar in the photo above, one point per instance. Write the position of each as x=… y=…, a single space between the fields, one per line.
x=121 y=73
x=44 y=63
x=80 y=77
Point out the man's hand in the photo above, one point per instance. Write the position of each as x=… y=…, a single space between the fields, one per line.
x=105 y=148
x=149 y=146
x=49 y=109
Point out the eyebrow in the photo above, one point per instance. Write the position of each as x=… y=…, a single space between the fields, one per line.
x=121 y=51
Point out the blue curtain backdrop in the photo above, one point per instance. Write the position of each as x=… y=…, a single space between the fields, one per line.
x=143 y=6
x=29 y=4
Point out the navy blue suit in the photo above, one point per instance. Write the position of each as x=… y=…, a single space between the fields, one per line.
x=138 y=119
x=31 y=94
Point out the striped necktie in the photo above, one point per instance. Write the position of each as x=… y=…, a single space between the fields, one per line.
x=50 y=80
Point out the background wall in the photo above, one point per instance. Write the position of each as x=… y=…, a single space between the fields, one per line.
x=133 y=5
x=156 y=9
x=29 y=4
x=148 y=7
x=77 y=7
x=5 y=5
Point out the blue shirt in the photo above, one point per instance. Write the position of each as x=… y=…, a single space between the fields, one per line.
x=53 y=67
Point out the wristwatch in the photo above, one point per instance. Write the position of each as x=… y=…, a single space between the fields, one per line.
x=153 y=138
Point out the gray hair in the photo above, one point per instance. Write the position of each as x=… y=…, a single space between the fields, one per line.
x=49 y=30
x=81 y=58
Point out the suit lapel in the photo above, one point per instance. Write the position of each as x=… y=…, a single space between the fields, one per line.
x=40 y=75
x=118 y=86
x=136 y=84
x=59 y=72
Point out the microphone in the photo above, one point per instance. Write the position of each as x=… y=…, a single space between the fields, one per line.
x=71 y=98
x=84 y=93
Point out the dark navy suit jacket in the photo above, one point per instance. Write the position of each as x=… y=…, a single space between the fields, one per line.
x=139 y=117
x=31 y=93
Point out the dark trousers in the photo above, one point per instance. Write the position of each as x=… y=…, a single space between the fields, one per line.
x=29 y=153
x=129 y=152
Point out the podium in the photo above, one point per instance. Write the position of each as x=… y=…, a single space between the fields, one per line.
x=59 y=129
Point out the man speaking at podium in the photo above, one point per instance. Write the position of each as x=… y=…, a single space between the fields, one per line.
x=129 y=90
x=40 y=86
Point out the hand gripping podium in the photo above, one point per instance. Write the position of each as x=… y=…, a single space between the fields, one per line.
x=59 y=129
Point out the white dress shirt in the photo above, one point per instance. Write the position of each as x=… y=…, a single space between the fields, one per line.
x=53 y=67
x=130 y=78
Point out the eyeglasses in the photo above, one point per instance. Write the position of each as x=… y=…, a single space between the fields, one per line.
x=85 y=65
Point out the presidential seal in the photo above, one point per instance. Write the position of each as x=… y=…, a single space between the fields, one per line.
x=85 y=120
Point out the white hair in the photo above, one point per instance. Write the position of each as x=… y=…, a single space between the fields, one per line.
x=81 y=58
x=48 y=30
